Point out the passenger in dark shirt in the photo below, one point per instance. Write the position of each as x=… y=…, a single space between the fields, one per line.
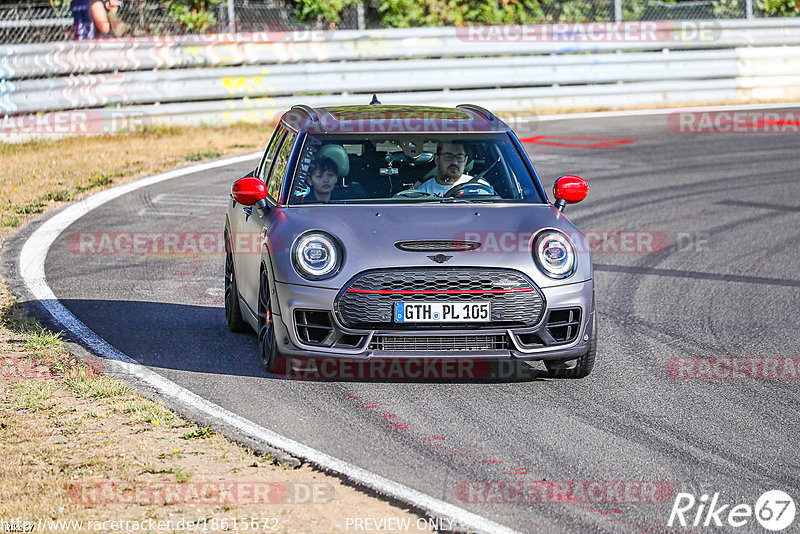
x=323 y=175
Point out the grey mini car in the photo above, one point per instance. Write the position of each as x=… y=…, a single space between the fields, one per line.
x=371 y=232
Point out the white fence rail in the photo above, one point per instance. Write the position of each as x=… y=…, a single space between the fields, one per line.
x=252 y=77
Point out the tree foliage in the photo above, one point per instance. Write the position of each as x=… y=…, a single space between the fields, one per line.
x=415 y=13
x=194 y=15
x=780 y=8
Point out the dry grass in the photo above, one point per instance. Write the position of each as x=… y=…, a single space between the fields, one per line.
x=65 y=430
x=62 y=454
x=38 y=175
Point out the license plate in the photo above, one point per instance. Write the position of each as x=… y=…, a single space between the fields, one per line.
x=442 y=312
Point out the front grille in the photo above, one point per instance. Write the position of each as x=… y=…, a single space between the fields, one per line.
x=394 y=343
x=437 y=246
x=368 y=300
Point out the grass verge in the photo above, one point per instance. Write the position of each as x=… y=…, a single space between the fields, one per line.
x=41 y=174
x=79 y=446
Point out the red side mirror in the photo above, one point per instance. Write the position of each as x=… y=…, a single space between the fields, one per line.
x=568 y=190
x=248 y=190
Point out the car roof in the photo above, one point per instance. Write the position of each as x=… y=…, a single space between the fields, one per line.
x=464 y=118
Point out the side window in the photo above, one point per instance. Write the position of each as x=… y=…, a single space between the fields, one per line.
x=278 y=173
x=269 y=153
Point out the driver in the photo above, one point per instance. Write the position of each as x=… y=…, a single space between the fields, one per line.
x=450 y=161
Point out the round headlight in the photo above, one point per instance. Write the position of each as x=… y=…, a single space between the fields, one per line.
x=316 y=256
x=554 y=254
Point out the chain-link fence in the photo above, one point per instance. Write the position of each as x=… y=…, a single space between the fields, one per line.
x=37 y=22
x=694 y=10
x=34 y=22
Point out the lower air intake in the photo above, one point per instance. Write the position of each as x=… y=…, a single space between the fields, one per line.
x=393 y=343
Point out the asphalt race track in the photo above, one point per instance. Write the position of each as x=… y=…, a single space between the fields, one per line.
x=723 y=281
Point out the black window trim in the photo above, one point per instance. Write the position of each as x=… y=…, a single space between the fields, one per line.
x=279 y=133
x=289 y=165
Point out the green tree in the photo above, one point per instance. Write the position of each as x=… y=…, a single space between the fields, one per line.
x=414 y=13
x=780 y=8
x=194 y=15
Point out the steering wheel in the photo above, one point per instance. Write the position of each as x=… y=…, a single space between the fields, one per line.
x=470 y=189
x=412 y=193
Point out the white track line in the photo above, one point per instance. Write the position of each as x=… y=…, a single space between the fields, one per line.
x=31 y=261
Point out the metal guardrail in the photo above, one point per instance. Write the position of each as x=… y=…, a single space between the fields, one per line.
x=150 y=87
x=36 y=23
x=23 y=61
x=244 y=78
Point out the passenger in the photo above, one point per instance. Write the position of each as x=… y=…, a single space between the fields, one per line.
x=327 y=173
x=324 y=176
x=450 y=161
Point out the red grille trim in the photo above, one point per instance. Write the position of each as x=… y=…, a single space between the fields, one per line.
x=437 y=292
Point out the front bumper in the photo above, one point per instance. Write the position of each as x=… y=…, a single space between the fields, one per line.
x=515 y=341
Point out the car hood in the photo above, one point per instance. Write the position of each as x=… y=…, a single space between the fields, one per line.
x=368 y=235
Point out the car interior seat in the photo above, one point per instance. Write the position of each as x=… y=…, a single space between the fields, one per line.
x=346 y=188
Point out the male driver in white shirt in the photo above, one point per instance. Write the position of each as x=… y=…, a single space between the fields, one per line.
x=450 y=160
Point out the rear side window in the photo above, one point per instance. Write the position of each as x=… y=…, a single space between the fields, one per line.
x=269 y=153
x=278 y=173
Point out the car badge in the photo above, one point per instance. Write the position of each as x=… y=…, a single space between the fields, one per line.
x=440 y=258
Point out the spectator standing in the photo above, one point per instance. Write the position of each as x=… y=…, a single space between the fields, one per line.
x=104 y=14
x=82 y=23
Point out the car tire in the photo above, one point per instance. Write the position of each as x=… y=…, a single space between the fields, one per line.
x=233 y=313
x=583 y=366
x=267 y=344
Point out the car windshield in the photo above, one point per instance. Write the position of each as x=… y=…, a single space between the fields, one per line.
x=366 y=168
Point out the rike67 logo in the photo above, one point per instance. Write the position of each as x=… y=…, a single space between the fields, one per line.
x=774 y=511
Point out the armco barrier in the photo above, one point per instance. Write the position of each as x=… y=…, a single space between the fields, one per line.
x=251 y=77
